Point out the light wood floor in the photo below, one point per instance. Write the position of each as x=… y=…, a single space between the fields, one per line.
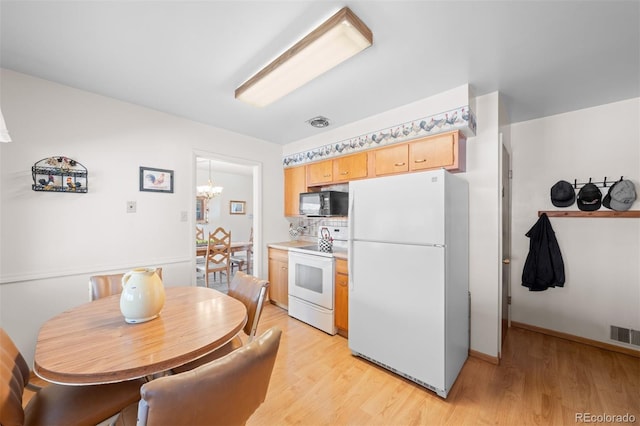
x=542 y=380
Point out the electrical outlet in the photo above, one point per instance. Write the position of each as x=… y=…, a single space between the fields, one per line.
x=131 y=206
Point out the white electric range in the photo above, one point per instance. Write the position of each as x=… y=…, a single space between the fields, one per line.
x=311 y=279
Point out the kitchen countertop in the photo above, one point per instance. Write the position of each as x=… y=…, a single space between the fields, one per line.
x=286 y=245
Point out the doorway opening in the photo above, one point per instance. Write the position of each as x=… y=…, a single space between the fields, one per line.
x=236 y=207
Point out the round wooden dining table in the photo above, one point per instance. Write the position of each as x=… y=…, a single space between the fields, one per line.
x=92 y=343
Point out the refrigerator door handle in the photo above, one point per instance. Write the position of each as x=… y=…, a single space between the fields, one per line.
x=352 y=197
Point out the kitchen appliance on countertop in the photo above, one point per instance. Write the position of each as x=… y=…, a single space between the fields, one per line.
x=409 y=279
x=311 y=279
x=324 y=203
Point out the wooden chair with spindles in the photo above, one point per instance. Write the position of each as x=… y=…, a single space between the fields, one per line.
x=218 y=255
x=199 y=234
x=199 y=240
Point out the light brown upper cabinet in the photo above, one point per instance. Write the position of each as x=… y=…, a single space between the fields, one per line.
x=350 y=167
x=320 y=173
x=436 y=151
x=447 y=150
x=394 y=159
x=294 y=184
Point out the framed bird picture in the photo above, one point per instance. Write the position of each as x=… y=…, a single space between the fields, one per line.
x=156 y=180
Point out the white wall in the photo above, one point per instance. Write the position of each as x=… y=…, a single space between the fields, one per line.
x=483 y=177
x=52 y=242
x=601 y=256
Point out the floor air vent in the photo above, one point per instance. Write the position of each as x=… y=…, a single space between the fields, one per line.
x=625 y=335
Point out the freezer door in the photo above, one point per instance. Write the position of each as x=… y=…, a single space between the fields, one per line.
x=396 y=308
x=405 y=208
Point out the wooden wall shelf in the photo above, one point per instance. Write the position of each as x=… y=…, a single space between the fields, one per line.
x=599 y=213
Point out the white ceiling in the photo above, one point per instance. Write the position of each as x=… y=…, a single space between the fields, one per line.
x=187 y=58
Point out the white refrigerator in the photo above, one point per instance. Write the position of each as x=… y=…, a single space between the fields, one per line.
x=409 y=275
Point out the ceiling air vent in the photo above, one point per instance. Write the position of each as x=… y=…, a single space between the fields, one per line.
x=319 y=121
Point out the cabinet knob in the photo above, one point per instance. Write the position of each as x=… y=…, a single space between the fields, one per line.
x=506 y=261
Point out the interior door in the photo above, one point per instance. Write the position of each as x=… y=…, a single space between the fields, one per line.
x=506 y=242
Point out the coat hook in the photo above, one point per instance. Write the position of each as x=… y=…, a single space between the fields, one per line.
x=605 y=182
x=575 y=183
x=589 y=180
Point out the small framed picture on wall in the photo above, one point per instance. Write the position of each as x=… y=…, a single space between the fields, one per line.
x=156 y=180
x=237 y=207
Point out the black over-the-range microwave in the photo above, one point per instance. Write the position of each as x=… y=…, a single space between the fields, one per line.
x=324 y=203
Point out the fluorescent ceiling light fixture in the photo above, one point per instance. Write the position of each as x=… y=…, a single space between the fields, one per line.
x=336 y=40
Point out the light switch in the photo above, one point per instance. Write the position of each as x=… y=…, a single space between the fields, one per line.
x=183 y=216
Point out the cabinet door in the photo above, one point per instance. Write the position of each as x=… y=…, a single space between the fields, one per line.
x=294 y=183
x=279 y=277
x=319 y=173
x=342 y=296
x=342 y=302
x=392 y=160
x=431 y=153
x=350 y=167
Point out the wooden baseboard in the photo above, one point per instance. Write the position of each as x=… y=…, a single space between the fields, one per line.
x=484 y=357
x=279 y=305
x=578 y=339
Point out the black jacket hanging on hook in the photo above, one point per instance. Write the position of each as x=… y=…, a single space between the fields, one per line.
x=544 y=267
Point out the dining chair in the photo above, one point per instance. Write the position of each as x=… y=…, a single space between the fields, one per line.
x=226 y=391
x=241 y=261
x=218 y=255
x=251 y=291
x=199 y=234
x=200 y=241
x=105 y=285
x=56 y=404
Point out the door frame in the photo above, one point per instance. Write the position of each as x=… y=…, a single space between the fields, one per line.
x=505 y=243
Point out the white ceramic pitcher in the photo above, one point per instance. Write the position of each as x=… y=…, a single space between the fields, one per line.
x=142 y=296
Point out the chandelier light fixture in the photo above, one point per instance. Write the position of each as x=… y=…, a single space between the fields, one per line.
x=209 y=191
x=334 y=41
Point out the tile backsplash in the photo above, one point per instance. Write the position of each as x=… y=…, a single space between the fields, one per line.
x=308 y=226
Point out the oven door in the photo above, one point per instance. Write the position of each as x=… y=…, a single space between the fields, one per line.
x=311 y=278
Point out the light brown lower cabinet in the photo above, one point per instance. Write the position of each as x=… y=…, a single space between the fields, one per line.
x=342 y=298
x=279 y=277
